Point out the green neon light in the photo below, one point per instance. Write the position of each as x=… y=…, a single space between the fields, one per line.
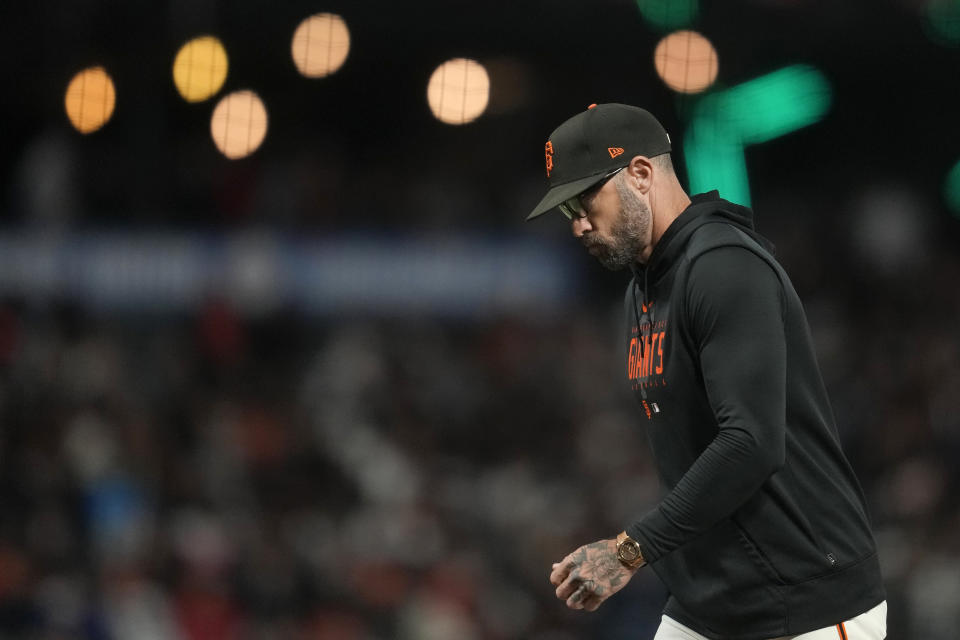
x=951 y=189
x=943 y=21
x=775 y=104
x=753 y=112
x=715 y=160
x=668 y=15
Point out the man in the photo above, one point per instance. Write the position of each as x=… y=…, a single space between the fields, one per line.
x=762 y=532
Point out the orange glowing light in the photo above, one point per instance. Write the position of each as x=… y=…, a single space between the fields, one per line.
x=686 y=61
x=239 y=124
x=90 y=99
x=458 y=91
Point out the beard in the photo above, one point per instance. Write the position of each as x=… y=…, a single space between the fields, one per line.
x=627 y=234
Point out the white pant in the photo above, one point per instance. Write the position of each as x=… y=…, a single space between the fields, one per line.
x=871 y=625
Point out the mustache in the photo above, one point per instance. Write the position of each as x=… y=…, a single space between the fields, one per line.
x=590 y=242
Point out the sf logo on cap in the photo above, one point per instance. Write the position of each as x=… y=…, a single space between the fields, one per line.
x=548 y=154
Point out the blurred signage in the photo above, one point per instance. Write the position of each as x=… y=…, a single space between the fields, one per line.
x=262 y=272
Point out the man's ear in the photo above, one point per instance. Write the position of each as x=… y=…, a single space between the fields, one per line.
x=640 y=173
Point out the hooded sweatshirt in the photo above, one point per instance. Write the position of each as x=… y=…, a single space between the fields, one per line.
x=763 y=530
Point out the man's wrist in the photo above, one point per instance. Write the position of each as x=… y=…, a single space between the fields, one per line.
x=629 y=552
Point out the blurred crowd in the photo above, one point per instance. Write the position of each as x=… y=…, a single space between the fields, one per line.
x=216 y=476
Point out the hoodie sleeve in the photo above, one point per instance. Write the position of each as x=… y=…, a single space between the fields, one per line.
x=735 y=315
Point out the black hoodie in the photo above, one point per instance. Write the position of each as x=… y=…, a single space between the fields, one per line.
x=763 y=530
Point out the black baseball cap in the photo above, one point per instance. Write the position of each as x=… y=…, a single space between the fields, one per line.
x=585 y=148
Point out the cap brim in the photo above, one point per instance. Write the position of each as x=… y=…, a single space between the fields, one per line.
x=562 y=192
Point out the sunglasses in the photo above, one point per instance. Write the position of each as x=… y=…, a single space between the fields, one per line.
x=573 y=207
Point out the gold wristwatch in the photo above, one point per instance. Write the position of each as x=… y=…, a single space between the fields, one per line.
x=628 y=551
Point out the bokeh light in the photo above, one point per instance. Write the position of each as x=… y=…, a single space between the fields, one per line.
x=773 y=104
x=200 y=68
x=90 y=99
x=686 y=61
x=951 y=189
x=320 y=45
x=239 y=124
x=667 y=15
x=752 y=112
x=458 y=91
x=943 y=21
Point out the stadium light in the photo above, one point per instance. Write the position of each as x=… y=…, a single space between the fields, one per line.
x=320 y=45
x=200 y=68
x=239 y=124
x=458 y=91
x=90 y=99
x=686 y=61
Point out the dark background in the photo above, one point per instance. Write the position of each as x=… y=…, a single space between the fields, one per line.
x=376 y=449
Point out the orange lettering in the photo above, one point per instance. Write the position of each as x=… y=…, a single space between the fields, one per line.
x=632 y=358
x=653 y=347
x=648 y=361
x=660 y=352
x=638 y=365
x=548 y=153
x=641 y=358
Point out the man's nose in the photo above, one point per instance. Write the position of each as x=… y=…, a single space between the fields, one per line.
x=580 y=226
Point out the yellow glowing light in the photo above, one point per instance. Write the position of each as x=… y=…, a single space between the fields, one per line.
x=90 y=99
x=320 y=45
x=458 y=91
x=239 y=124
x=686 y=61
x=200 y=68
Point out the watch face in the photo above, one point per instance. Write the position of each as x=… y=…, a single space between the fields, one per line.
x=629 y=551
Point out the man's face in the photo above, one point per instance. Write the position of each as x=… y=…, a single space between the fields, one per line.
x=616 y=228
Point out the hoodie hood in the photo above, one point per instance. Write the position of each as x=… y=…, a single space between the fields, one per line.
x=704 y=208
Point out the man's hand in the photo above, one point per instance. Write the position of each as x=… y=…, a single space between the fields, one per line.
x=590 y=575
